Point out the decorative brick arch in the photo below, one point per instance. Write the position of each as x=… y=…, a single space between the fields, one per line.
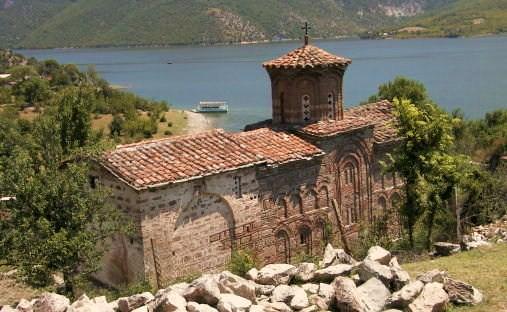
x=304 y=238
x=323 y=196
x=310 y=200
x=320 y=236
x=282 y=246
x=282 y=208
x=296 y=202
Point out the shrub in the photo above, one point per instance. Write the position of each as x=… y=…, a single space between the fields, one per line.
x=168 y=132
x=241 y=262
x=169 y=124
x=163 y=119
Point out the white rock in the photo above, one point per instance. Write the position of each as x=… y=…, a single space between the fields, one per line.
x=373 y=294
x=24 y=306
x=347 y=298
x=331 y=272
x=368 y=269
x=319 y=302
x=257 y=308
x=49 y=302
x=311 y=288
x=233 y=303
x=343 y=257
x=446 y=249
x=379 y=254
x=196 y=307
x=462 y=293
x=7 y=308
x=403 y=297
x=233 y=284
x=170 y=301
x=433 y=298
x=82 y=304
x=252 y=274
x=141 y=309
x=179 y=288
x=436 y=276
x=300 y=299
x=282 y=293
x=306 y=271
x=203 y=290
x=265 y=290
x=276 y=306
x=400 y=276
x=329 y=256
x=312 y=308
x=276 y=274
x=327 y=292
x=127 y=304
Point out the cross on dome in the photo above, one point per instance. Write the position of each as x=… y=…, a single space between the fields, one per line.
x=306 y=28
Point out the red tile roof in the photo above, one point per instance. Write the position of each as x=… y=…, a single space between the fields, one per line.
x=276 y=146
x=307 y=56
x=159 y=162
x=377 y=115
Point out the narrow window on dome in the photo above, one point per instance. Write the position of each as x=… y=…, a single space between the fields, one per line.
x=307 y=113
x=330 y=104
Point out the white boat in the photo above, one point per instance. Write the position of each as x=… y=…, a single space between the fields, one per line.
x=211 y=107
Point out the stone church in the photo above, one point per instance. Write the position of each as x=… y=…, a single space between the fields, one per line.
x=196 y=198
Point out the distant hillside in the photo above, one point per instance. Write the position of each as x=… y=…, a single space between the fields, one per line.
x=77 y=23
x=461 y=18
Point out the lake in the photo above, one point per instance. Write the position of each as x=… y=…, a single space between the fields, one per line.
x=470 y=74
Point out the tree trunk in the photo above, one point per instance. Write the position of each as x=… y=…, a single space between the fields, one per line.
x=341 y=228
x=431 y=218
x=68 y=279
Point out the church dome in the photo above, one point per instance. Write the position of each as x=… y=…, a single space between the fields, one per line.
x=307 y=56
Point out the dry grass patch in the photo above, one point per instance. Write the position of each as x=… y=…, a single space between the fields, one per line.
x=485 y=269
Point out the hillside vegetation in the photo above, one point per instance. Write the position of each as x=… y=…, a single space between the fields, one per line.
x=461 y=18
x=77 y=23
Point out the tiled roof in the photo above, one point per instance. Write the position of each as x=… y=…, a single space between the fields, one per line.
x=276 y=146
x=158 y=162
x=307 y=56
x=379 y=115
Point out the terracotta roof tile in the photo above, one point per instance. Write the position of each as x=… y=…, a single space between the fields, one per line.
x=157 y=162
x=379 y=115
x=276 y=146
x=307 y=56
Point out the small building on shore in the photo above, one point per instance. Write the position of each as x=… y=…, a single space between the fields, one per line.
x=195 y=199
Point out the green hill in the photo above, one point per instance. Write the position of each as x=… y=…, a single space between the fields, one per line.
x=77 y=23
x=462 y=18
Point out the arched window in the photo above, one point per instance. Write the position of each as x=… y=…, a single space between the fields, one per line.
x=282 y=247
x=321 y=234
x=305 y=239
x=381 y=209
x=350 y=192
x=331 y=106
x=297 y=204
x=281 y=209
x=307 y=108
x=323 y=197
x=311 y=201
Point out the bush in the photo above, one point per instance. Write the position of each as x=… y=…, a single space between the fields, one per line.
x=169 y=124
x=168 y=132
x=241 y=262
x=163 y=119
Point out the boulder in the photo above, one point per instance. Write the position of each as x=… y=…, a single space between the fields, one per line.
x=131 y=303
x=400 y=276
x=433 y=298
x=203 y=290
x=257 y=308
x=179 y=288
x=252 y=274
x=379 y=254
x=276 y=274
x=433 y=276
x=473 y=245
x=49 y=302
x=311 y=288
x=462 y=293
x=233 y=303
x=24 y=306
x=446 y=249
x=233 y=284
x=82 y=304
x=265 y=290
x=318 y=301
x=196 y=307
x=392 y=310
x=305 y=271
x=275 y=307
x=346 y=295
x=282 y=293
x=170 y=301
x=101 y=305
x=327 y=292
x=300 y=299
x=312 y=308
x=7 y=308
x=331 y=272
x=329 y=256
x=403 y=297
x=142 y=309
x=373 y=294
x=343 y=257
x=369 y=268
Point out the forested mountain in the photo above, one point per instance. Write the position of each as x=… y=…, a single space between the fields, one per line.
x=74 y=23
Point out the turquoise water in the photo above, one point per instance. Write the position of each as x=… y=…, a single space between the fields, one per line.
x=470 y=74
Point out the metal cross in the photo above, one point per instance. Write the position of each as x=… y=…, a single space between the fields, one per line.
x=306 y=28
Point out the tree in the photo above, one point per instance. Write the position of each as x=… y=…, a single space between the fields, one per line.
x=402 y=88
x=58 y=221
x=33 y=91
x=116 y=126
x=422 y=155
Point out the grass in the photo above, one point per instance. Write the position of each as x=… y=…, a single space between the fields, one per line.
x=485 y=269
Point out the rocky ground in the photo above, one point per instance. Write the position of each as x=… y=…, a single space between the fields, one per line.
x=337 y=283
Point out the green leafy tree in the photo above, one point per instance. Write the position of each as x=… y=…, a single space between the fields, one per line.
x=33 y=91
x=426 y=135
x=116 y=126
x=402 y=88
